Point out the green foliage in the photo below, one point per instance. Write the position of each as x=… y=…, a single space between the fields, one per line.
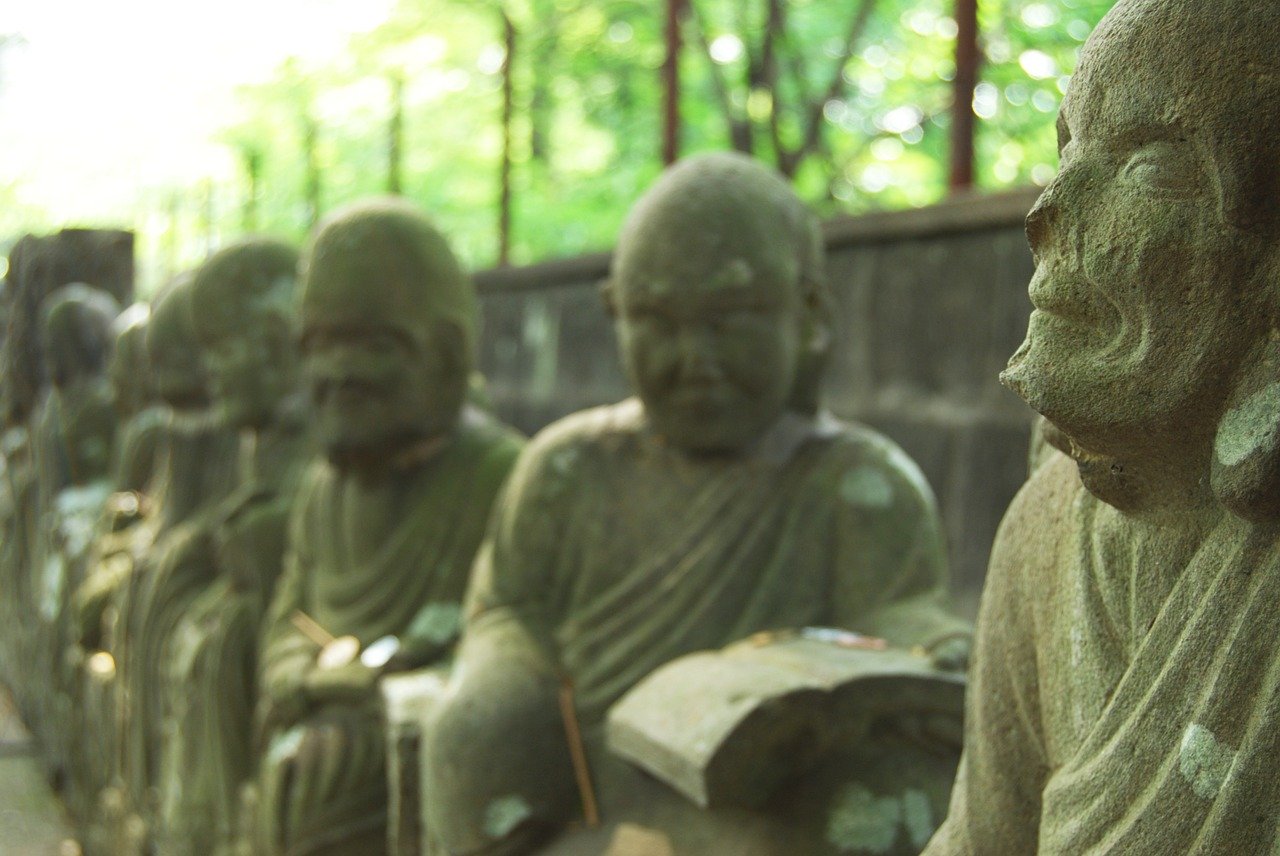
x=585 y=135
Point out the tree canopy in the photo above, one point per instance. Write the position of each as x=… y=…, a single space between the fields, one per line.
x=851 y=100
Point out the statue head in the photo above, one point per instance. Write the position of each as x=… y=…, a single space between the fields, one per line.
x=242 y=301
x=388 y=321
x=1157 y=246
x=177 y=364
x=720 y=302
x=77 y=332
x=129 y=370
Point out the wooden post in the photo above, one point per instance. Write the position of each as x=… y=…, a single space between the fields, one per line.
x=671 y=83
x=963 y=121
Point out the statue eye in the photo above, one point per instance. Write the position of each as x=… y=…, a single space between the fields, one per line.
x=1165 y=166
x=650 y=318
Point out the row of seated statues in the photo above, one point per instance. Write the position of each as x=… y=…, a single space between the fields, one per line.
x=277 y=581
x=259 y=518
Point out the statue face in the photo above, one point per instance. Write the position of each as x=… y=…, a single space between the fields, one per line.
x=180 y=377
x=250 y=369
x=1138 y=316
x=372 y=388
x=711 y=344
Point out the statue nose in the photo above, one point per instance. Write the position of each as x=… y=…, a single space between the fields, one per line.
x=698 y=360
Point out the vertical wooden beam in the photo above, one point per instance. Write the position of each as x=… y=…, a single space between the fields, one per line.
x=251 y=159
x=311 y=155
x=963 y=120
x=671 y=83
x=395 y=134
x=508 y=115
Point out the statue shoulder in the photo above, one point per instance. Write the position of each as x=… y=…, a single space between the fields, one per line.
x=485 y=436
x=873 y=470
x=596 y=429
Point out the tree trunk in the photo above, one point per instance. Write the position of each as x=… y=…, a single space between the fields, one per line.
x=395 y=134
x=508 y=115
x=671 y=83
x=251 y=159
x=963 y=122
x=310 y=144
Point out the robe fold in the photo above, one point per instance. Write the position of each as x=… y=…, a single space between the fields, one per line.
x=198 y=474
x=612 y=554
x=389 y=557
x=1121 y=701
x=208 y=748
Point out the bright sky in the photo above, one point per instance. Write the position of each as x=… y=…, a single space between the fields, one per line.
x=110 y=98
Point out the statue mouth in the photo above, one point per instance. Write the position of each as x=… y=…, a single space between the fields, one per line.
x=345 y=388
x=1049 y=300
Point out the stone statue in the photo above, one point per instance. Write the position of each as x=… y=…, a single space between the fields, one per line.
x=1124 y=692
x=138 y=408
x=385 y=526
x=166 y=575
x=243 y=307
x=141 y=421
x=78 y=342
x=75 y=426
x=719 y=503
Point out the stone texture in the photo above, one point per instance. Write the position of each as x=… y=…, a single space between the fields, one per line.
x=1123 y=695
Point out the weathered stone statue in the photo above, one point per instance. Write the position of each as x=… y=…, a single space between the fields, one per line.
x=140 y=413
x=76 y=427
x=717 y=504
x=385 y=527
x=1125 y=683
x=243 y=305
x=200 y=455
x=78 y=342
x=135 y=470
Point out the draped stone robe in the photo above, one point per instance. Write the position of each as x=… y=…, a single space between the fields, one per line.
x=612 y=554
x=211 y=663
x=199 y=472
x=367 y=559
x=1126 y=690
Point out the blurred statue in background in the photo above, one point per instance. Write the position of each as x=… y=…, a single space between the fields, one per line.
x=719 y=503
x=385 y=525
x=78 y=339
x=170 y=568
x=1126 y=667
x=76 y=427
x=243 y=305
x=140 y=413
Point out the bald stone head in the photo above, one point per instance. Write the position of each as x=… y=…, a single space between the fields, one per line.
x=242 y=300
x=1157 y=284
x=388 y=320
x=129 y=370
x=720 y=300
x=177 y=362
x=77 y=332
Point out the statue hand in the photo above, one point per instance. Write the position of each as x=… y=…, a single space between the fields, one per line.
x=282 y=706
x=952 y=652
x=351 y=683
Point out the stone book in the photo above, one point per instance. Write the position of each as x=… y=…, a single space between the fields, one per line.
x=729 y=727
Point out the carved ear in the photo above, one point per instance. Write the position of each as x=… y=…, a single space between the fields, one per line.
x=1245 y=472
x=819 y=319
x=816 y=338
x=609 y=296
